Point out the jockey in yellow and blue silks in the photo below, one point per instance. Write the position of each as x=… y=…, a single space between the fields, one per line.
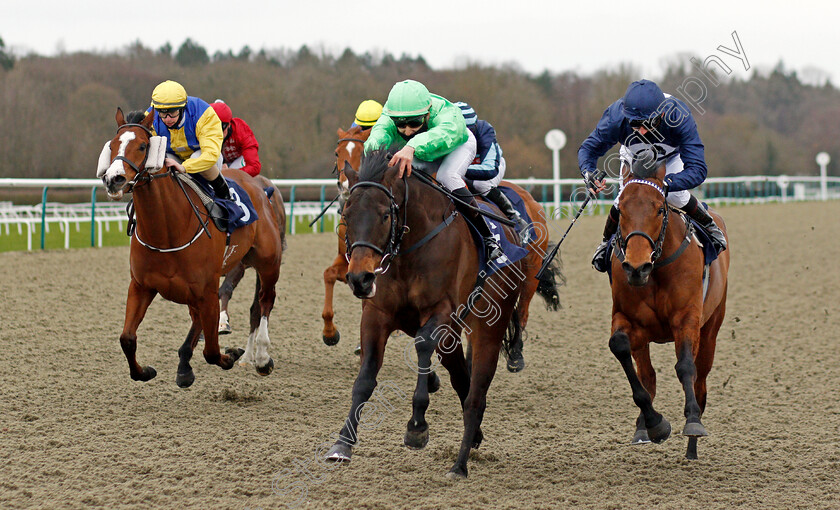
x=367 y=114
x=431 y=128
x=648 y=120
x=193 y=134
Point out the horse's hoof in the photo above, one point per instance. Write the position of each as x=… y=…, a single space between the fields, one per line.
x=147 y=374
x=694 y=429
x=434 y=382
x=234 y=353
x=340 y=453
x=515 y=365
x=224 y=328
x=640 y=437
x=457 y=474
x=267 y=369
x=358 y=350
x=416 y=440
x=185 y=380
x=332 y=340
x=660 y=432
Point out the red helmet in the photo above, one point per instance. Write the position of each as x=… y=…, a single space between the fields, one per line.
x=223 y=111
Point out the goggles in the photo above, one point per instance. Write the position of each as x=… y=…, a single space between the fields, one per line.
x=412 y=122
x=650 y=123
x=168 y=113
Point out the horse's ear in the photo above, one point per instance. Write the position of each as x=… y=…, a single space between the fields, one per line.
x=120 y=117
x=660 y=172
x=147 y=120
x=352 y=175
x=341 y=133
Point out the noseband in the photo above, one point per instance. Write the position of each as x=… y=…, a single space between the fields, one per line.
x=396 y=233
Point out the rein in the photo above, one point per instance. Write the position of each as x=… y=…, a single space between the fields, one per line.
x=145 y=176
x=620 y=243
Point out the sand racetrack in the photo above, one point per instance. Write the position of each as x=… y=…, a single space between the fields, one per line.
x=77 y=432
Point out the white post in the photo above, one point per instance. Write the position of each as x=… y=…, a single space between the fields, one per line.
x=555 y=140
x=822 y=159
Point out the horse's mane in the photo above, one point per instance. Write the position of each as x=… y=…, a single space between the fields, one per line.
x=375 y=163
x=135 y=117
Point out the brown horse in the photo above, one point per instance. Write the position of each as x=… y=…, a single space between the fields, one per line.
x=413 y=260
x=177 y=253
x=348 y=154
x=658 y=296
x=235 y=274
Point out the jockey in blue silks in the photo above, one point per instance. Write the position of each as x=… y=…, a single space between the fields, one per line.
x=645 y=120
x=488 y=168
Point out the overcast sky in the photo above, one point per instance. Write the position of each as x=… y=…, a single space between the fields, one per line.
x=582 y=36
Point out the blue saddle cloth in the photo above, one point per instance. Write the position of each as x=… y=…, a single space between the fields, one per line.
x=512 y=252
x=239 y=209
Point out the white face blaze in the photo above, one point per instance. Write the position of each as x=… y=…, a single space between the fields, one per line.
x=350 y=147
x=117 y=167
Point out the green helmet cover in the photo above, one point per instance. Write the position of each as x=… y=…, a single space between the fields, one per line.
x=408 y=98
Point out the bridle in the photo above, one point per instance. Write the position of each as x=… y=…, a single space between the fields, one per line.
x=141 y=176
x=620 y=243
x=340 y=140
x=145 y=176
x=396 y=232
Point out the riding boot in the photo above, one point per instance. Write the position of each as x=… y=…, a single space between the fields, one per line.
x=698 y=213
x=499 y=198
x=599 y=260
x=470 y=213
x=220 y=187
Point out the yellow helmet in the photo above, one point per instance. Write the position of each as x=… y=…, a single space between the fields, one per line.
x=368 y=113
x=169 y=94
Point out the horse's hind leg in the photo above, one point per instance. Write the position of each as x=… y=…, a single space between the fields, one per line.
x=139 y=299
x=335 y=272
x=264 y=296
x=657 y=426
x=185 y=376
x=459 y=375
x=232 y=279
x=485 y=356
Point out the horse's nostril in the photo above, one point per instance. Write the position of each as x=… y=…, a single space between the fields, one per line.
x=118 y=180
x=627 y=267
x=367 y=279
x=646 y=268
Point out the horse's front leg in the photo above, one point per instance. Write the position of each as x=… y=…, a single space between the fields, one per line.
x=686 y=345
x=232 y=279
x=260 y=311
x=657 y=426
x=139 y=299
x=337 y=271
x=375 y=328
x=434 y=330
x=647 y=376
x=185 y=376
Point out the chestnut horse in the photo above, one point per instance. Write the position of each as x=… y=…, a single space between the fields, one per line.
x=658 y=296
x=348 y=155
x=177 y=253
x=235 y=274
x=414 y=261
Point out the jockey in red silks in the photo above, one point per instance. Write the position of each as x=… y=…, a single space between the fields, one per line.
x=240 y=147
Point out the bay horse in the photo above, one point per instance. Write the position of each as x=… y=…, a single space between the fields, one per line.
x=658 y=296
x=348 y=154
x=178 y=254
x=235 y=274
x=413 y=260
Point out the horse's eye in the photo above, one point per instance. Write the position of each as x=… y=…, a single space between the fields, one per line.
x=143 y=147
x=386 y=216
x=661 y=210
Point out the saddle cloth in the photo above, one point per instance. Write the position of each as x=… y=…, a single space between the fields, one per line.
x=238 y=211
x=512 y=252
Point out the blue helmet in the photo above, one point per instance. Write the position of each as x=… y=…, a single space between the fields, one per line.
x=642 y=100
x=468 y=112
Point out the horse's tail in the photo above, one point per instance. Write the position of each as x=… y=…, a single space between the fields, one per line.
x=512 y=339
x=550 y=280
x=277 y=206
